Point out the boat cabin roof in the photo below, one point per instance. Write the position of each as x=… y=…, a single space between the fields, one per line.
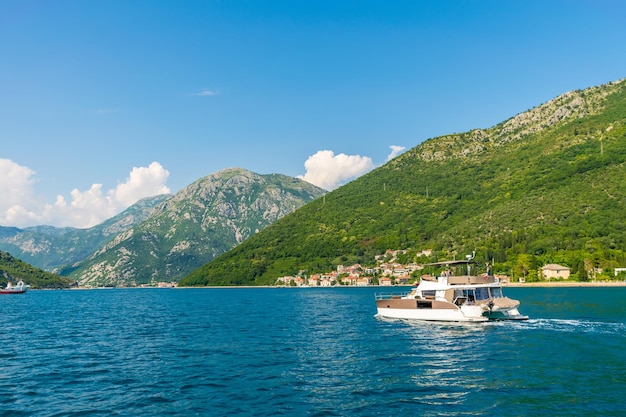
x=462 y=279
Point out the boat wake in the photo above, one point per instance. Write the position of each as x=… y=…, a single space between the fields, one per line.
x=555 y=325
x=564 y=325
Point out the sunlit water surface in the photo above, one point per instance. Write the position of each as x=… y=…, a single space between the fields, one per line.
x=305 y=352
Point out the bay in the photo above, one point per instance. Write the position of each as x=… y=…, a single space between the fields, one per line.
x=305 y=352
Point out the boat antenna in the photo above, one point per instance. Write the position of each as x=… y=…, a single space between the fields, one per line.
x=469 y=258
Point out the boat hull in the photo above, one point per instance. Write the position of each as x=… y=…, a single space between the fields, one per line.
x=512 y=314
x=12 y=291
x=428 y=315
x=411 y=309
x=435 y=310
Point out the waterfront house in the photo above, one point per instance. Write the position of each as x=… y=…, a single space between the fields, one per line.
x=555 y=271
x=385 y=281
x=362 y=282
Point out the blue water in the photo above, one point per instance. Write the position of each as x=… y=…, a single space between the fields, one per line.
x=305 y=352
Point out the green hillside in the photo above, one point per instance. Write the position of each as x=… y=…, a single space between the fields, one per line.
x=547 y=185
x=12 y=269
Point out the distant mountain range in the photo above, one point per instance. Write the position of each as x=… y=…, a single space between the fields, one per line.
x=165 y=237
x=202 y=221
x=52 y=248
x=545 y=186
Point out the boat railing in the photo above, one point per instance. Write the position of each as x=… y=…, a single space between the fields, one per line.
x=390 y=295
x=469 y=279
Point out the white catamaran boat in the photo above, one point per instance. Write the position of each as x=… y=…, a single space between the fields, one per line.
x=451 y=298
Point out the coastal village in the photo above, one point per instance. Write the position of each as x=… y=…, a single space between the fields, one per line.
x=388 y=272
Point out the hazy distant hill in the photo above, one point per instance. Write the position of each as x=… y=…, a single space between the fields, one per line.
x=547 y=185
x=50 y=248
x=14 y=270
x=202 y=221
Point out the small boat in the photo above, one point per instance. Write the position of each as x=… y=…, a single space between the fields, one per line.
x=20 y=288
x=448 y=297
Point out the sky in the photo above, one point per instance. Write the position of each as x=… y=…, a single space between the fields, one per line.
x=104 y=102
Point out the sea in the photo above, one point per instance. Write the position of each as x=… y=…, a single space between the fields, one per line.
x=306 y=352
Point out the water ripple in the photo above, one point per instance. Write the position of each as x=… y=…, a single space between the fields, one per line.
x=294 y=352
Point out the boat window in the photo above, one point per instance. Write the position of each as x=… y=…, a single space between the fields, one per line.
x=469 y=294
x=482 y=293
x=428 y=293
x=496 y=293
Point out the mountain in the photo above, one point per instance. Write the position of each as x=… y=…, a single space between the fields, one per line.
x=12 y=269
x=51 y=248
x=547 y=185
x=200 y=222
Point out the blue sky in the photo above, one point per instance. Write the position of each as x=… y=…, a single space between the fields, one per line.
x=107 y=101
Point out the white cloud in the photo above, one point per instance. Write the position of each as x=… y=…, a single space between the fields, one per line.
x=206 y=93
x=395 y=151
x=329 y=171
x=21 y=207
x=142 y=182
x=16 y=188
x=15 y=182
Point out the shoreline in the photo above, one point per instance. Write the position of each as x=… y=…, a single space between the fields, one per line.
x=567 y=284
x=511 y=284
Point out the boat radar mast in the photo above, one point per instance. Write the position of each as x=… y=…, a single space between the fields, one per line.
x=469 y=258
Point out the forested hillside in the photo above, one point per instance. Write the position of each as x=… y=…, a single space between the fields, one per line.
x=12 y=269
x=547 y=185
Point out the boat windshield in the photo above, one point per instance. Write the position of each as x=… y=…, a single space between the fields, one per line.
x=475 y=294
x=482 y=293
x=496 y=293
x=479 y=294
x=428 y=293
